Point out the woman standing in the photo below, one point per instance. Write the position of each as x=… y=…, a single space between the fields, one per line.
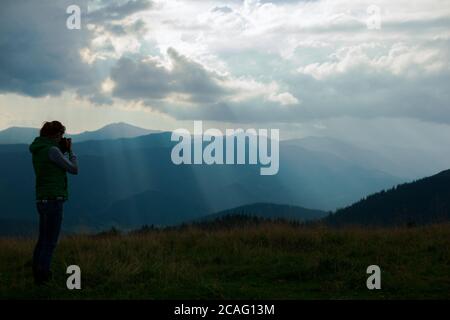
x=50 y=167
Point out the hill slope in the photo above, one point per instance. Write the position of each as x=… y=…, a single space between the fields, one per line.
x=270 y=211
x=14 y=135
x=423 y=201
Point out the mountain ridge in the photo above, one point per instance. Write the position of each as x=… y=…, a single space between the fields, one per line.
x=270 y=211
x=21 y=135
x=420 y=202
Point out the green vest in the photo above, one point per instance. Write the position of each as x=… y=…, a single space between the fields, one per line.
x=51 y=180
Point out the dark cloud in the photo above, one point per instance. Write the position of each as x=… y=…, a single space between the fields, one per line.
x=361 y=94
x=362 y=91
x=146 y=80
x=117 y=10
x=110 y=13
x=38 y=54
x=136 y=28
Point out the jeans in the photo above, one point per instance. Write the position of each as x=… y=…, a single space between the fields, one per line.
x=50 y=219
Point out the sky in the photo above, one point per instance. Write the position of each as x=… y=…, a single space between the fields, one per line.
x=372 y=72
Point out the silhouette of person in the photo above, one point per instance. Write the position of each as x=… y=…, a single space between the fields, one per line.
x=50 y=165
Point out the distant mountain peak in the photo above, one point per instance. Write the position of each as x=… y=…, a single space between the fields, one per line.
x=117 y=126
x=120 y=124
x=114 y=130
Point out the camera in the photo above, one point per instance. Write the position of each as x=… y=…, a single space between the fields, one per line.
x=65 y=144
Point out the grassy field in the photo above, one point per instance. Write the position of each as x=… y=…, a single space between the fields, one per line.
x=264 y=261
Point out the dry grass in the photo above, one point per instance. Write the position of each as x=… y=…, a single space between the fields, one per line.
x=266 y=261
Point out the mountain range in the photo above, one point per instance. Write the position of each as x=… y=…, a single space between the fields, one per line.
x=131 y=181
x=405 y=163
x=17 y=135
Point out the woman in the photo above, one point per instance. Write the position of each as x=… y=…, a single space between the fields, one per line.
x=50 y=167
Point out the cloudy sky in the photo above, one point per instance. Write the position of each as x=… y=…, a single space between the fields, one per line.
x=369 y=71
